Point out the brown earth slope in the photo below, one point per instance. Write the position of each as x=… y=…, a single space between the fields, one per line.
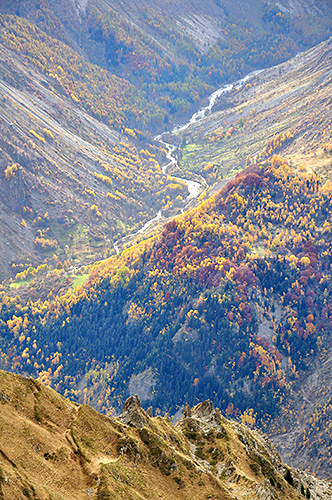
x=51 y=448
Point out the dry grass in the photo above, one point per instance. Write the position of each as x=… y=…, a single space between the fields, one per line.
x=52 y=449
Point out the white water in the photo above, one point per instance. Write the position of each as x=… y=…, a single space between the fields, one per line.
x=212 y=100
x=140 y=231
x=194 y=188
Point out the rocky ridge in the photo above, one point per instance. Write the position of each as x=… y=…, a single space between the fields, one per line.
x=51 y=447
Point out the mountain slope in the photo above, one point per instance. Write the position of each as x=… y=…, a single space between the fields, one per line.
x=53 y=448
x=230 y=302
x=77 y=172
x=177 y=50
x=284 y=110
x=94 y=183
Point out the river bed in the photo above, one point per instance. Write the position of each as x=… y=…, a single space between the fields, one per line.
x=194 y=187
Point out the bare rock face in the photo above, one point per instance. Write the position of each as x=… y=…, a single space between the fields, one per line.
x=187 y=411
x=207 y=413
x=203 y=410
x=133 y=414
x=14 y=192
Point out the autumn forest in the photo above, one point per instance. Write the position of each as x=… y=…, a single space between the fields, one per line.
x=116 y=281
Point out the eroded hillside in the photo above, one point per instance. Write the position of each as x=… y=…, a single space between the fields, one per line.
x=285 y=110
x=70 y=184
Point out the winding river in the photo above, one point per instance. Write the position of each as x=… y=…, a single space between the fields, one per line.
x=194 y=188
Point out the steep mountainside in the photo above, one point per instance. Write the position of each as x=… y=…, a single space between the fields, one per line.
x=70 y=184
x=285 y=110
x=80 y=81
x=52 y=448
x=230 y=302
x=177 y=51
x=202 y=23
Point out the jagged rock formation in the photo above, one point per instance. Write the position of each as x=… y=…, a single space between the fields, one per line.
x=207 y=413
x=187 y=411
x=133 y=414
x=53 y=448
x=203 y=421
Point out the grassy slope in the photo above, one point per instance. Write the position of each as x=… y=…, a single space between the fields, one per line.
x=51 y=448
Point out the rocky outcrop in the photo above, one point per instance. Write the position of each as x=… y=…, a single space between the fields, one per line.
x=208 y=414
x=187 y=411
x=133 y=414
x=273 y=479
x=14 y=191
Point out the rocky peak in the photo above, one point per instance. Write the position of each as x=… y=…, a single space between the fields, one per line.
x=187 y=411
x=133 y=414
x=207 y=413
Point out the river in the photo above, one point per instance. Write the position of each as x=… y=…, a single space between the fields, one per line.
x=194 y=188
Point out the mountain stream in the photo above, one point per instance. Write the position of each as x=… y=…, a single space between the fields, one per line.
x=194 y=188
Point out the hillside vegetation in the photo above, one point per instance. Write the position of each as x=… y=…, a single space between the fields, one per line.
x=284 y=110
x=83 y=85
x=70 y=184
x=231 y=302
x=176 y=50
x=52 y=448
